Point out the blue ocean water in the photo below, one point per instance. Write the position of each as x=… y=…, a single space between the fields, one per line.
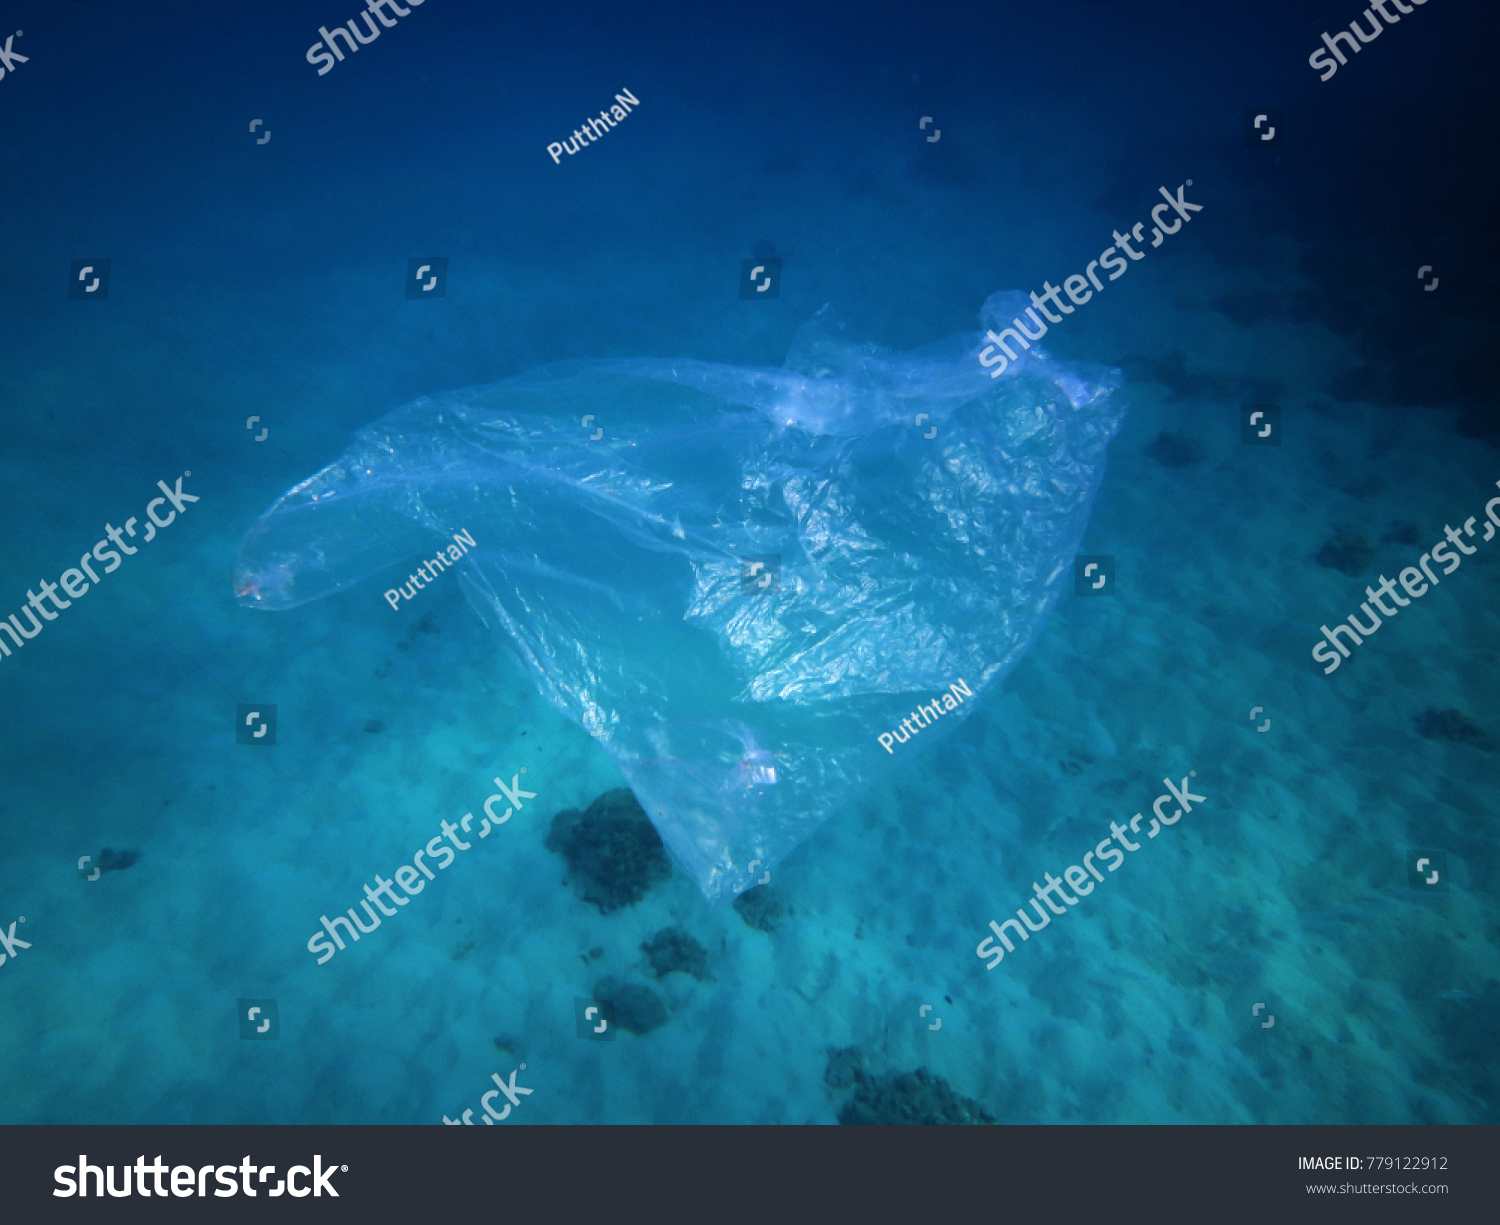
x=1273 y=956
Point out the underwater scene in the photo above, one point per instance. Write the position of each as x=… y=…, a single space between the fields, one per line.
x=780 y=564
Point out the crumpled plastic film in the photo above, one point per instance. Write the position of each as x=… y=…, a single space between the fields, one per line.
x=742 y=716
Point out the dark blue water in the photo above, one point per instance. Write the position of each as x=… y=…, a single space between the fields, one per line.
x=266 y=279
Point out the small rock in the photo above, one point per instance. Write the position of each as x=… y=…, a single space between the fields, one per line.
x=115 y=861
x=672 y=949
x=846 y=1068
x=1453 y=725
x=916 y=1097
x=613 y=852
x=637 y=1009
x=761 y=907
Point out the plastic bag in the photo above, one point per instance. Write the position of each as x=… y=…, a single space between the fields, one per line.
x=923 y=513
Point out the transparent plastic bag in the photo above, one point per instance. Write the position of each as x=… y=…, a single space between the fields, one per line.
x=925 y=516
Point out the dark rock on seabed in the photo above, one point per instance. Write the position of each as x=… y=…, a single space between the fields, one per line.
x=761 y=907
x=1453 y=725
x=674 y=949
x=900 y=1098
x=637 y=1009
x=613 y=852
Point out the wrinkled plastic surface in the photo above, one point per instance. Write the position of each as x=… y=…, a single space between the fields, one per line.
x=740 y=719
